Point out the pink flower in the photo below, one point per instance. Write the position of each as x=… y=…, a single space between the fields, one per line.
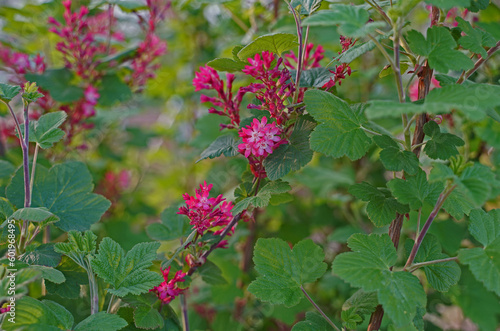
x=168 y=290
x=260 y=139
x=206 y=213
x=275 y=86
x=414 y=88
x=340 y=71
x=208 y=79
x=310 y=61
x=91 y=95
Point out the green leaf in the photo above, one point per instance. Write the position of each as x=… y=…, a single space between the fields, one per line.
x=395 y=159
x=225 y=64
x=477 y=5
x=283 y=271
x=315 y=77
x=313 y=321
x=476 y=39
x=74 y=276
x=64 y=317
x=42 y=255
x=48 y=273
x=78 y=243
x=146 y=317
x=485 y=227
x=126 y=273
x=357 y=50
x=474 y=100
x=276 y=43
x=441 y=145
x=439 y=48
x=226 y=145
x=477 y=303
x=440 y=276
x=6 y=169
x=339 y=132
x=484 y=263
x=35 y=215
x=367 y=266
x=448 y=4
x=387 y=70
x=474 y=186
x=58 y=83
x=172 y=226
x=295 y=154
x=382 y=206
x=113 y=90
x=31 y=312
x=262 y=198
x=8 y=92
x=211 y=274
x=363 y=303
x=352 y=20
x=415 y=190
x=489 y=131
x=101 y=321
x=307 y=7
x=350 y=318
x=66 y=191
x=45 y=131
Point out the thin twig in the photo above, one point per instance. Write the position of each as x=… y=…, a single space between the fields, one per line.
x=415 y=266
x=33 y=167
x=442 y=198
x=184 y=312
x=479 y=62
x=299 y=64
x=319 y=309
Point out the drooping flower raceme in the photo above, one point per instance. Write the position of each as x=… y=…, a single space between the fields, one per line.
x=208 y=79
x=206 y=213
x=259 y=140
x=342 y=69
x=311 y=60
x=168 y=290
x=275 y=85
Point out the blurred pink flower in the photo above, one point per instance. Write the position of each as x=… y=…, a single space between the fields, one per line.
x=414 y=88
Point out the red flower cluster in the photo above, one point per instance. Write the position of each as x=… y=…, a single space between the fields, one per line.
x=143 y=65
x=310 y=60
x=207 y=213
x=208 y=79
x=168 y=290
x=259 y=140
x=19 y=64
x=274 y=88
x=5 y=310
x=78 y=46
x=342 y=69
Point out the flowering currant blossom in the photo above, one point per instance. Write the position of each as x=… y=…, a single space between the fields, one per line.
x=310 y=61
x=208 y=79
x=259 y=140
x=341 y=70
x=168 y=290
x=207 y=213
x=274 y=88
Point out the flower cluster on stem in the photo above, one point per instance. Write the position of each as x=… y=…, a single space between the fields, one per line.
x=205 y=213
x=342 y=69
x=168 y=290
x=259 y=140
x=275 y=85
x=208 y=79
